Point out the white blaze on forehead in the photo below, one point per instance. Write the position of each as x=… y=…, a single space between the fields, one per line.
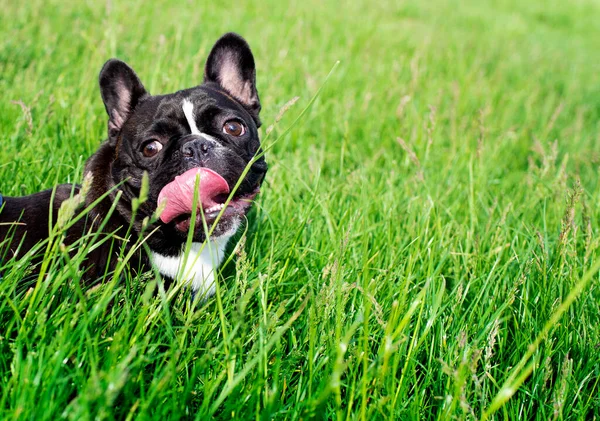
x=188 y=110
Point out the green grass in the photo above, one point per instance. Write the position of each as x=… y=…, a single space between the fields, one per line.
x=425 y=247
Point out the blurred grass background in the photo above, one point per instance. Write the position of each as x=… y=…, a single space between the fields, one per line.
x=417 y=230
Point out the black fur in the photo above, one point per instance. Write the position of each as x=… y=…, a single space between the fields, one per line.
x=228 y=92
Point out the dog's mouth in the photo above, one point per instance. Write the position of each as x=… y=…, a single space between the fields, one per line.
x=235 y=208
x=177 y=197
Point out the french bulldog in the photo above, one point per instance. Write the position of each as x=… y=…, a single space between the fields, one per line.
x=195 y=145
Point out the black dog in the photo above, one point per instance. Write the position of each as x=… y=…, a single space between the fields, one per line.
x=202 y=137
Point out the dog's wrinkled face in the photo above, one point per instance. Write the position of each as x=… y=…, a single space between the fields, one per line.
x=203 y=137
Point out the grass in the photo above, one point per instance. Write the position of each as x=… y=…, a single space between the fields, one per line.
x=426 y=245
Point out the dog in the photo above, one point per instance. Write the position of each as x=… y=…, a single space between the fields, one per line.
x=190 y=147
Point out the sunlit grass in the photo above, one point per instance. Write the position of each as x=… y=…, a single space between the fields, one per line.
x=424 y=246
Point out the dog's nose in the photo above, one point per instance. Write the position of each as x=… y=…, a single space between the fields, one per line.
x=197 y=148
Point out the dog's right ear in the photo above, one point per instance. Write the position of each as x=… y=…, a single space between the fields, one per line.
x=121 y=92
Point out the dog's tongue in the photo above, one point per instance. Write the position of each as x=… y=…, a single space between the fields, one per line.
x=179 y=193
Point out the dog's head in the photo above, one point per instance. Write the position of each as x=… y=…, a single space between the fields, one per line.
x=205 y=137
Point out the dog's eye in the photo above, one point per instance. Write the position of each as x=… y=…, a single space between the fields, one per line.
x=234 y=128
x=151 y=148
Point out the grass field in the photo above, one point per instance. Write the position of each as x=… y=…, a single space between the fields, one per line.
x=426 y=245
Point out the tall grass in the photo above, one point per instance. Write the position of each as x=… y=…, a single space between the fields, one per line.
x=425 y=246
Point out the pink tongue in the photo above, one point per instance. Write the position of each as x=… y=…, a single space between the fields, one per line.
x=179 y=193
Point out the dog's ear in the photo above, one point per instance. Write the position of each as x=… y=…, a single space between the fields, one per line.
x=121 y=92
x=231 y=65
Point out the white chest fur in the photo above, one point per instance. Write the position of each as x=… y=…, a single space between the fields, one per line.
x=202 y=262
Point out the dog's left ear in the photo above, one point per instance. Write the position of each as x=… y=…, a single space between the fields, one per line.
x=121 y=91
x=231 y=65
